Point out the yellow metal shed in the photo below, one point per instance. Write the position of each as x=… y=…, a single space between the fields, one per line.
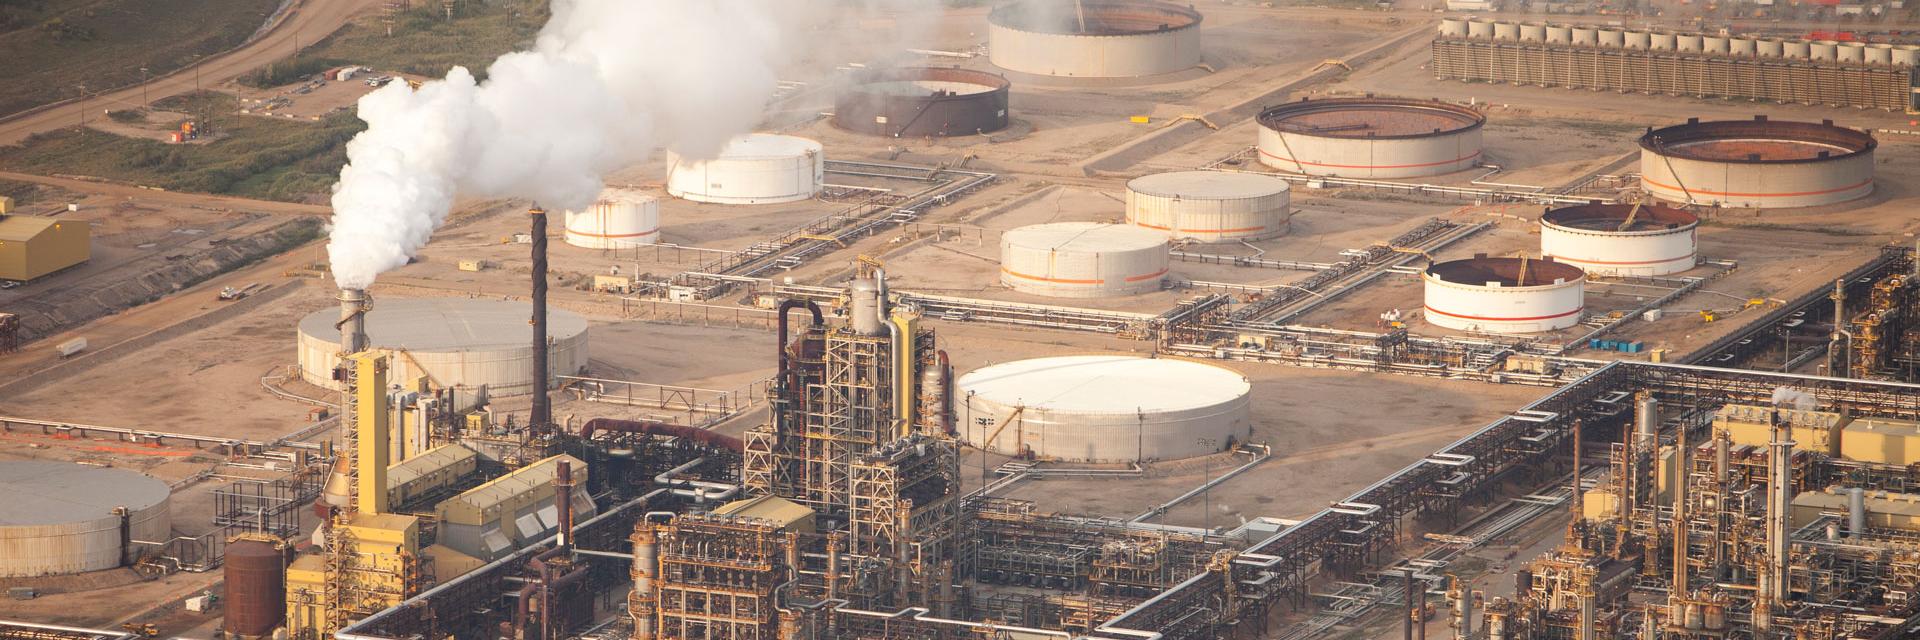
x=32 y=246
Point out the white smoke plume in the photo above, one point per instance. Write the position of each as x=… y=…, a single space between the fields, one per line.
x=1797 y=399
x=606 y=83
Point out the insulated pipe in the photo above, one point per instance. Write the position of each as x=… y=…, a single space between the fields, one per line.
x=541 y=419
x=781 y=313
x=1681 y=528
x=902 y=357
x=1856 y=511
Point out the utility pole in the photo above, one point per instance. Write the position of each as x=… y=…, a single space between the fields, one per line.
x=143 y=87
x=1206 y=488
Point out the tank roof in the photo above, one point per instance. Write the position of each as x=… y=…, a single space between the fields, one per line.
x=1758 y=141
x=44 y=492
x=617 y=195
x=1100 y=17
x=1106 y=384
x=1084 y=236
x=1370 y=117
x=1480 y=270
x=1208 y=185
x=767 y=145
x=1608 y=217
x=928 y=82
x=446 y=324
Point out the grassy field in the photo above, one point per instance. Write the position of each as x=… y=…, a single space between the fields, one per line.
x=51 y=48
x=254 y=157
x=425 y=43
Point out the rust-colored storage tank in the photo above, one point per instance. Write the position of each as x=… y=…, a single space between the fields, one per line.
x=256 y=587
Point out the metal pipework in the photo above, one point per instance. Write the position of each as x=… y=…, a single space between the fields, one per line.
x=541 y=418
x=1681 y=528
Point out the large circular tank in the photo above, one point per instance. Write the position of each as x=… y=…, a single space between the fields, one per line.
x=1083 y=259
x=1105 y=408
x=256 y=599
x=1659 y=239
x=1757 y=163
x=63 y=518
x=923 y=101
x=1210 y=206
x=460 y=342
x=621 y=218
x=1495 y=295
x=1370 y=137
x=1099 y=39
x=759 y=168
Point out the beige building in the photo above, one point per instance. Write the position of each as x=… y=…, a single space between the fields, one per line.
x=33 y=246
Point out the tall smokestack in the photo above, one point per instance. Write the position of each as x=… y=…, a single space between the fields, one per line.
x=542 y=417
x=354 y=305
x=563 y=501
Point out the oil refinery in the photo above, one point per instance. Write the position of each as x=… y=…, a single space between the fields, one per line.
x=1014 y=320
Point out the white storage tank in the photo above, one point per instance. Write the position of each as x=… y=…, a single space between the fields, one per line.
x=1504 y=295
x=1099 y=39
x=461 y=342
x=759 y=168
x=64 y=518
x=1370 y=137
x=1648 y=239
x=1105 y=408
x=1796 y=49
x=1083 y=259
x=1757 y=163
x=1210 y=206
x=621 y=218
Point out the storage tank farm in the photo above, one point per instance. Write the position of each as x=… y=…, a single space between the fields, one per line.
x=621 y=218
x=66 y=518
x=1758 y=163
x=1639 y=239
x=1504 y=294
x=923 y=102
x=459 y=342
x=1094 y=38
x=1210 y=206
x=1084 y=259
x=759 y=168
x=1105 y=408
x=1369 y=137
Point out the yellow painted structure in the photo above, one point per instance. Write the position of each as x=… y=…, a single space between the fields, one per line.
x=1599 y=504
x=6 y=205
x=493 y=519
x=1880 y=440
x=1747 y=425
x=373 y=445
x=33 y=246
x=1885 y=510
x=432 y=470
x=783 y=513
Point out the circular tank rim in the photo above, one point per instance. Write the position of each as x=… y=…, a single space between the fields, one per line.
x=1823 y=133
x=1564 y=218
x=1275 y=117
x=997 y=87
x=44 y=493
x=1152 y=188
x=1506 y=271
x=1113 y=237
x=1187 y=18
x=1182 y=385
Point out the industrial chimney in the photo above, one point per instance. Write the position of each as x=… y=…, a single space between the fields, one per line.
x=354 y=305
x=542 y=418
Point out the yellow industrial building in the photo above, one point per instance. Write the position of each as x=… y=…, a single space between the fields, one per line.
x=1884 y=510
x=1872 y=440
x=34 y=246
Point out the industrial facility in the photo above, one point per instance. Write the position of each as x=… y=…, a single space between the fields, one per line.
x=923 y=101
x=1094 y=38
x=1576 y=56
x=1370 y=137
x=453 y=343
x=32 y=247
x=1084 y=408
x=621 y=219
x=1504 y=295
x=1083 y=259
x=759 y=168
x=1210 y=206
x=69 y=518
x=1757 y=163
x=1638 y=239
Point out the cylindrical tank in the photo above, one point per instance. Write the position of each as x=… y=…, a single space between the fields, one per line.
x=62 y=517
x=1482 y=29
x=1824 y=50
x=1688 y=42
x=1851 y=52
x=863 y=307
x=1453 y=27
x=1533 y=32
x=1879 y=53
x=1906 y=55
x=1210 y=206
x=1586 y=35
x=1100 y=39
x=1659 y=239
x=1105 y=408
x=923 y=102
x=1083 y=259
x=1661 y=41
x=1796 y=49
x=1559 y=34
x=459 y=342
x=1695 y=618
x=1716 y=615
x=1856 y=511
x=1612 y=37
x=1370 y=137
x=1504 y=295
x=1637 y=39
x=1770 y=48
x=256 y=600
x=622 y=218
x=1757 y=163
x=1506 y=31
x=1714 y=44
x=1746 y=47
x=760 y=168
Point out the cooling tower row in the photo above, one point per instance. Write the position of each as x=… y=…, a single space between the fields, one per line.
x=1738 y=46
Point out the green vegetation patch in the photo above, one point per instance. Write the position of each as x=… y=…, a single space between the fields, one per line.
x=424 y=42
x=52 y=48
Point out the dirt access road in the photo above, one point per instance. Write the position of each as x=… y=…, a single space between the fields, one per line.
x=307 y=22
